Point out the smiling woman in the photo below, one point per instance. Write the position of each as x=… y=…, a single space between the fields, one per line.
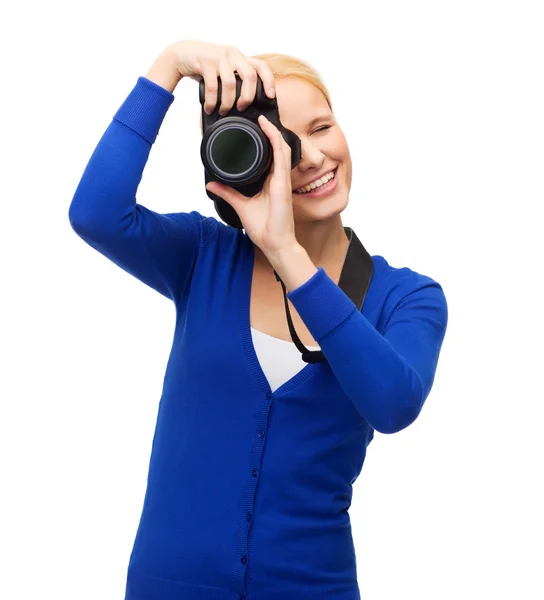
x=257 y=445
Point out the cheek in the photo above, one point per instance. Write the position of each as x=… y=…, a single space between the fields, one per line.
x=340 y=154
x=344 y=157
x=337 y=147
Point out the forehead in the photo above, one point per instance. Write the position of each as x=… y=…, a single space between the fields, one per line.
x=299 y=103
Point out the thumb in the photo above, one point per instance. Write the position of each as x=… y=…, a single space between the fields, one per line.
x=232 y=196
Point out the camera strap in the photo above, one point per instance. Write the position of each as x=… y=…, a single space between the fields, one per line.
x=354 y=281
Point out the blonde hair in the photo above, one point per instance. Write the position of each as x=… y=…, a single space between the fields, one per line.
x=284 y=66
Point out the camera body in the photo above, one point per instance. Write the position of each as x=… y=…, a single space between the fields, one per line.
x=235 y=150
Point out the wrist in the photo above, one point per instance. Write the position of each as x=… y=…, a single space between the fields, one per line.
x=284 y=255
x=164 y=71
x=293 y=265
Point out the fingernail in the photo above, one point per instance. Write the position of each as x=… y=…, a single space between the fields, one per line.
x=271 y=92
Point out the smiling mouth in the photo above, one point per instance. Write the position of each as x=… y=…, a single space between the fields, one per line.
x=323 y=187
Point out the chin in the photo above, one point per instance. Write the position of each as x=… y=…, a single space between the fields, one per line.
x=321 y=209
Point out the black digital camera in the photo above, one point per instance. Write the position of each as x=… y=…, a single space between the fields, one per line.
x=235 y=150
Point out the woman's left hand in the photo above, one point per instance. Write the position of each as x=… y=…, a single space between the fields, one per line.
x=267 y=217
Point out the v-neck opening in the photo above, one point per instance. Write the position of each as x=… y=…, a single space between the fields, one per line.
x=247 y=339
x=275 y=339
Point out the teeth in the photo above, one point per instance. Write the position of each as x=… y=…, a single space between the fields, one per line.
x=315 y=184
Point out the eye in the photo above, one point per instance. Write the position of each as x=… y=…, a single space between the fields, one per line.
x=322 y=128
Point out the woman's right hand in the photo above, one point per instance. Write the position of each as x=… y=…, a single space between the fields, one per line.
x=203 y=60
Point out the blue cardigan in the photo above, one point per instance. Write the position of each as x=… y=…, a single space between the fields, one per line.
x=248 y=491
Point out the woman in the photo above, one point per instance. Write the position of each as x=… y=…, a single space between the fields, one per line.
x=255 y=452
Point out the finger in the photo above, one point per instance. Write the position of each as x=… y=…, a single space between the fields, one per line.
x=228 y=86
x=230 y=195
x=277 y=142
x=209 y=74
x=248 y=75
x=265 y=73
x=286 y=149
x=287 y=153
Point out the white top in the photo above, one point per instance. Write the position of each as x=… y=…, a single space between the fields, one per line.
x=280 y=360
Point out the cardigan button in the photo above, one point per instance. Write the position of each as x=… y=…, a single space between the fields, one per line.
x=261 y=433
x=244 y=560
x=268 y=395
x=254 y=473
x=249 y=516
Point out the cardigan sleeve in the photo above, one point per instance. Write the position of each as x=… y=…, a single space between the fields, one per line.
x=158 y=249
x=388 y=377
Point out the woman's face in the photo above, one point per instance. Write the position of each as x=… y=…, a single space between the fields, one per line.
x=323 y=150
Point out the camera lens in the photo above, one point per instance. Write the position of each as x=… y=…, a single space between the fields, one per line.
x=236 y=152
x=233 y=151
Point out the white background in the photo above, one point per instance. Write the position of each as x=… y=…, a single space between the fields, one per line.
x=442 y=105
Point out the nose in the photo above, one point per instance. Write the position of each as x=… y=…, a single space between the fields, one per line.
x=312 y=157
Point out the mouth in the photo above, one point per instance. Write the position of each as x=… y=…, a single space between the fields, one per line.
x=323 y=190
